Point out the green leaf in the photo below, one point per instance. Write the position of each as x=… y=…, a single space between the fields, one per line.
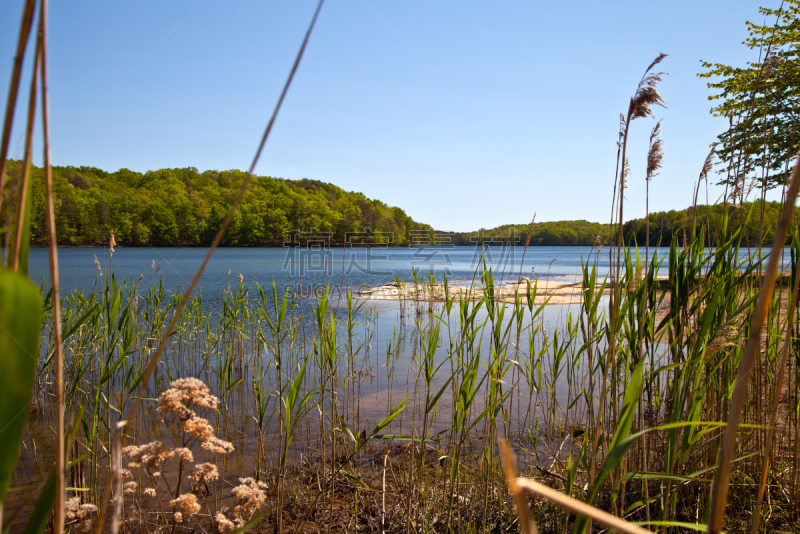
x=354 y=478
x=638 y=475
x=436 y=398
x=397 y=437
x=621 y=441
x=20 y=328
x=679 y=524
x=397 y=410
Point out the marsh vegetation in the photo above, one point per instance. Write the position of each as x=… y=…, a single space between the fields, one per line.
x=654 y=402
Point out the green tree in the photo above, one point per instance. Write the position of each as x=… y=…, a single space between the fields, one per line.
x=760 y=100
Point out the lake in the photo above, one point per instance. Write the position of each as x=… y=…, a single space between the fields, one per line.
x=352 y=266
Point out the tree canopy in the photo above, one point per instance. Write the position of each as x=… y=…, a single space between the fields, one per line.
x=557 y=233
x=177 y=207
x=760 y=100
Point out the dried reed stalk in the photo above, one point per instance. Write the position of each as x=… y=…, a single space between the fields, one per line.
x=774 y=412
x=579 y=507
x=13 y=89
x=719 y=494
x=13 y=260
x=517 y=487
x=526 y=526
x=58 y=507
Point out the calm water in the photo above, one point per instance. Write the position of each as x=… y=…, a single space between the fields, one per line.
x=354 y=266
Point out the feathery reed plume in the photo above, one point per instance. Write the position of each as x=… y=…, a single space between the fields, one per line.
x=640 y=105
x=646 y=94
x=655 y=154
x=111 y=244
x=626 y=170
x=719 y=492
x=622 y=123
x=772 y=63
x=708 y=164
x=655 y=157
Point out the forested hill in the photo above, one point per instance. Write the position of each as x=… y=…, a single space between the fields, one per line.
x=663 y=226
x=558 y=233
x=177 y=207
x=186 y=207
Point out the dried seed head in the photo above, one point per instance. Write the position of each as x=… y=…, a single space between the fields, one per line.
x=655 y=155
x=199 y=428
x=130 y=488
x=241 y=278
x=79 y=516
x=97 y=263
x=646 y=94
x=185 y=393
x=217 y=446
x=151 y=455
x=183 y=454
x=224 y=525
x=707 y=165
x=626 y=170
x=251 y=495
x=111 y=244
x=203 y=473
x=187 y=503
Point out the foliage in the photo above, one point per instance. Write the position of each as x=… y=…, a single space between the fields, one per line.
x=171 y=207
x=663 y=226
x=760 y=100
x=556 y=233
x=20 y=325
x=666 y=224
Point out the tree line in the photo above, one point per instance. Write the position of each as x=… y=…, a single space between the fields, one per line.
x=178 y=207
x=663 y=226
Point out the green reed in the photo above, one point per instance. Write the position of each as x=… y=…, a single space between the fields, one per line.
x=634 y=432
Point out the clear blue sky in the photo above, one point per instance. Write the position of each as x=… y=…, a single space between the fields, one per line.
x=465 y=114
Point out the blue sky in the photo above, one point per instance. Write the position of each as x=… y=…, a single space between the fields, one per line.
x=465 y=114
